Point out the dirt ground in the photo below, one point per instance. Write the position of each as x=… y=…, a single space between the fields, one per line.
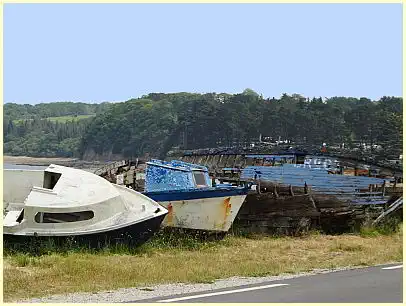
x=26 y=160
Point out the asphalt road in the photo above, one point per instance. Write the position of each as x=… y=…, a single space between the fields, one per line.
x=368 y=285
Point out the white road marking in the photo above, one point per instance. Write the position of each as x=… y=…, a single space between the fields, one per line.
x=220 y=293
x=393 y=267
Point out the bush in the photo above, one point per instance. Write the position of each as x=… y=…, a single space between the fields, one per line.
x=390 y=226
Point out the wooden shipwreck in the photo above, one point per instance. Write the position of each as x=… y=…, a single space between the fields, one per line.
x=295 y=193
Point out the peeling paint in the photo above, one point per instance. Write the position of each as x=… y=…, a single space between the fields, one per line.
x=213 y=214
x=174 y=175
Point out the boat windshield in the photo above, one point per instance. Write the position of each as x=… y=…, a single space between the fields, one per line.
x=200 y=179
x=50 y=179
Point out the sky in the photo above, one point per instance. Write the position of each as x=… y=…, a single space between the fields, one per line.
x=115 y=52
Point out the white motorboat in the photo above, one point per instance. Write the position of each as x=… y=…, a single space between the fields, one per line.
x=73 y=202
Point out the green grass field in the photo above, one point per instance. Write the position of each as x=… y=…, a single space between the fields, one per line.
x=61 y=119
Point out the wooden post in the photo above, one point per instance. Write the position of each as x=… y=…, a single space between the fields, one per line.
x=291 y=190
x=275 y=191
x=258 y=186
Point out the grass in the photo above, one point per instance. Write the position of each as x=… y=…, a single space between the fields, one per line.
x=390 y=225
x=17 y=121
x=61 y=119
x=171 y=258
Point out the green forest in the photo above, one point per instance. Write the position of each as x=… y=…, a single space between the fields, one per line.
x=47 y=129
x=157 y=122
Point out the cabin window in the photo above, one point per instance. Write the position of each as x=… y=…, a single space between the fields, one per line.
x=200 y=179
x=21 y=216
x=45 y=217
x=50 y=179
x=300 y=159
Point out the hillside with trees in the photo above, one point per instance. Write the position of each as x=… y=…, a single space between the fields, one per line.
x=45 y=110
x=154 y=123
x=34 y=130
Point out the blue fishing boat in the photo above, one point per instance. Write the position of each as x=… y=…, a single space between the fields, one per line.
x=192 y=201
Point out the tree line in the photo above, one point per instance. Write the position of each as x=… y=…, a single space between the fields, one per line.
x=28 y=131
x=157 y=122
x=56 y=109
x=43 y=138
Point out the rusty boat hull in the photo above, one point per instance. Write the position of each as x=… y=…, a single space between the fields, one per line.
x=213 y=209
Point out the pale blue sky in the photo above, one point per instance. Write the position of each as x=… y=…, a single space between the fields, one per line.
x=114 y=52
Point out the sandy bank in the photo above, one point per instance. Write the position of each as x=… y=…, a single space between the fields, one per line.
x=26 y=160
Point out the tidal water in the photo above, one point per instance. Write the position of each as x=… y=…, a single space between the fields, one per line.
x=23 y=167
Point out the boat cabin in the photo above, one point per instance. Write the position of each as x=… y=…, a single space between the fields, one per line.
x=175 y=175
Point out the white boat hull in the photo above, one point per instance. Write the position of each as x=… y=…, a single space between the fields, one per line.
x=211 y=214
x=17 y=184
x=73 y=202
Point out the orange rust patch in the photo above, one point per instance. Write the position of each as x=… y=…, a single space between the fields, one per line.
x=226 y=209
x=169 y=216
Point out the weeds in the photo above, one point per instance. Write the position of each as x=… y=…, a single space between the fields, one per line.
x=389 y=227
x=165 y=239
x=342 y=247
x=22 y=260
x=180 y=256
x=169 y=239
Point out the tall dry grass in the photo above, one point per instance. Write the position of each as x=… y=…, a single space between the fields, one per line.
x=169 y=259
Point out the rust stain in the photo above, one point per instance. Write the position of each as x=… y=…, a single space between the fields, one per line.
x=169 y=216
x=226 y=209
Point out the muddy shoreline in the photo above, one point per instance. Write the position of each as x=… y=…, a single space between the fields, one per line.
x=46 y=161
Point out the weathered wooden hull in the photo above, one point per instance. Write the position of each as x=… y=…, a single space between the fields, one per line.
x=265 y=213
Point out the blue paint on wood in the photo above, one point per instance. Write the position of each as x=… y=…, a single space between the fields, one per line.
x=343 y=186
x=174 y=175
